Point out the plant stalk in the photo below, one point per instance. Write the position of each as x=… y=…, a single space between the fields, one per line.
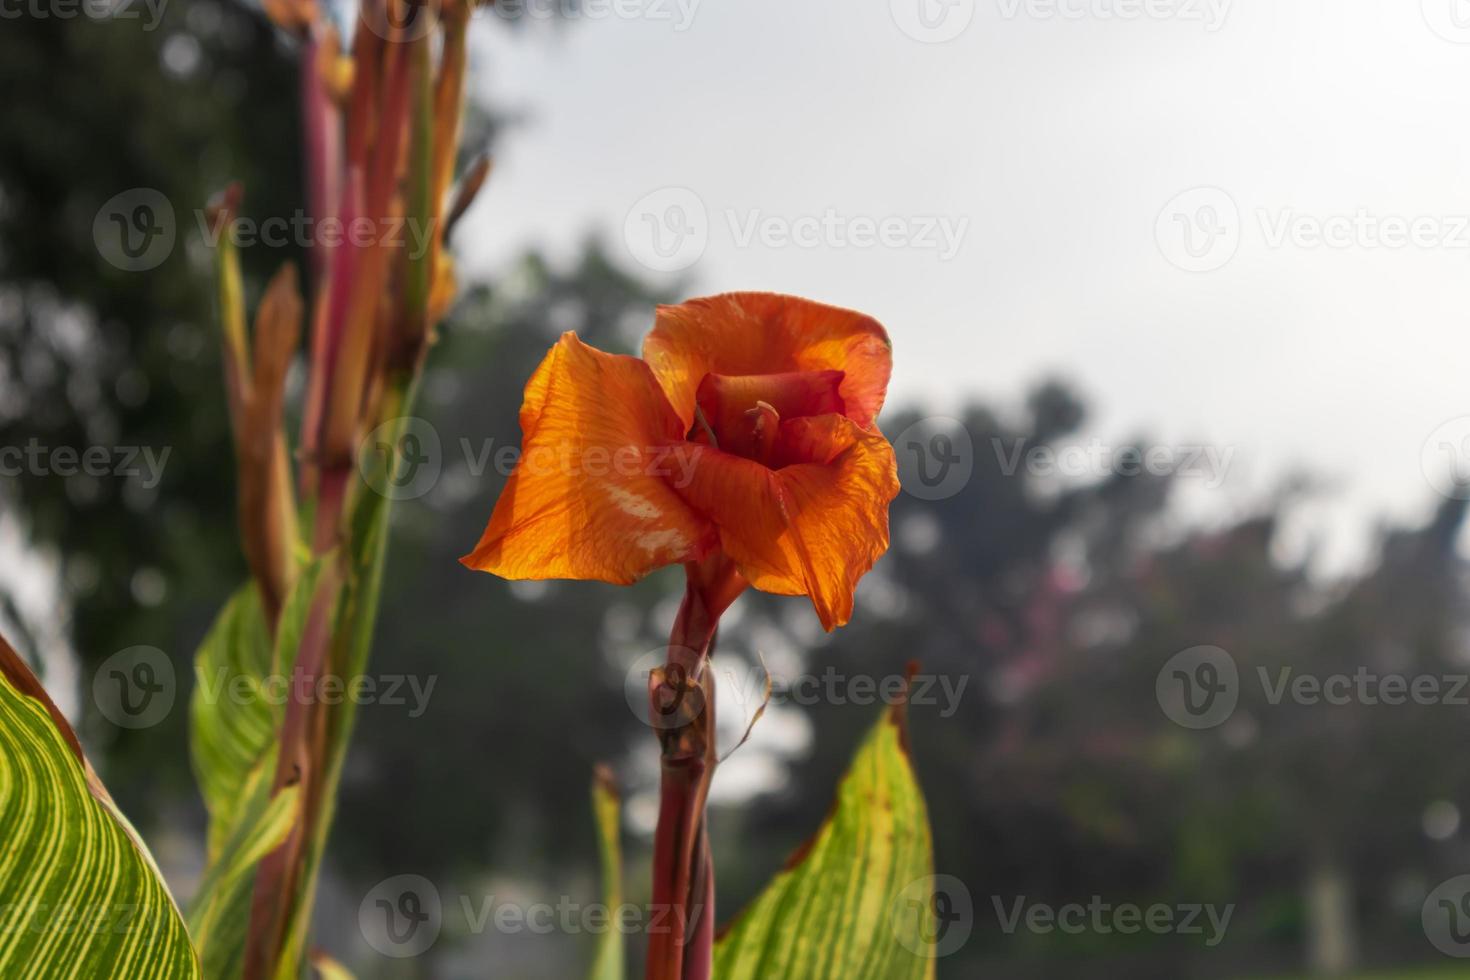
x=682 y=712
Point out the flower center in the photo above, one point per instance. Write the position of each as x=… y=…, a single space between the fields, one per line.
x=742 y=414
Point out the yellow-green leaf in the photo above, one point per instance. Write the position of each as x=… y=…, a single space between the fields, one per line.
x=220 y=917
x=230 y=729
x=840 y=909
x=328 y=968
x=80 y=896
x=236 y=713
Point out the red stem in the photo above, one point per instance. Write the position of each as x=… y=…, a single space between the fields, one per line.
x=321 y=123
x=322 y=139
x=277 y=874
x=699 y=956
x=668 y=947
x=682 y=711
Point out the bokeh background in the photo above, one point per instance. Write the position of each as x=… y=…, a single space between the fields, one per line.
x=1178 y=292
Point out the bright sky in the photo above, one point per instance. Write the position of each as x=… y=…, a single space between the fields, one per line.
x=1051 y=139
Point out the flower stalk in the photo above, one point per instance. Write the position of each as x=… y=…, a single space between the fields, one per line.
x=769 y=404
x=380 y=146
x=682 y=711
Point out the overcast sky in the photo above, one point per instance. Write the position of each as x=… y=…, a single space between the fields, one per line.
x=1014 y=188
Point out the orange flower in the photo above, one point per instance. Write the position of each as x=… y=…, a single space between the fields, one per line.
x=745 y=431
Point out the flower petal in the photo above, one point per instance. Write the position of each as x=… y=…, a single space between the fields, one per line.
x=763 y=333
x=591 y=497
x=810 y=528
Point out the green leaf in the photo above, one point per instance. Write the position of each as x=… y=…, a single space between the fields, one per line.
x=239 y=695
x=609 y=964
x=235 y=717
x=328 y=968
x=841 y=909
x=229 y=734
x=79 y=893
x=220 y=916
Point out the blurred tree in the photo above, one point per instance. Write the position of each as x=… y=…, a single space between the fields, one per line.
x=95 y=356
x=1292 y=797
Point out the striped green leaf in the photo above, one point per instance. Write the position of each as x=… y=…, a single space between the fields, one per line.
x=235 y=717
x=844 y=908
x=220 y=917
x=239 y=696
x=228 y=735
x=80 y=896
